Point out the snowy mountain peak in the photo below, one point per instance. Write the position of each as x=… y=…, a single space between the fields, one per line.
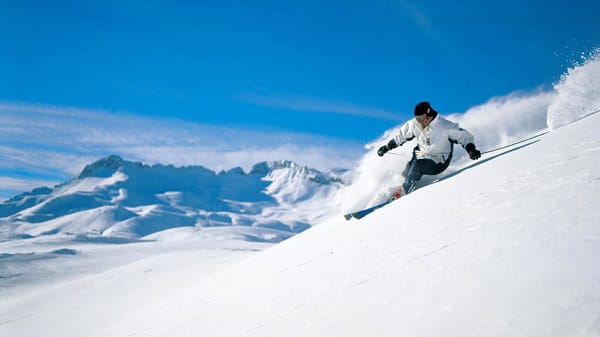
x=267 y=167
x=236 y=171
x=105 y=167
x=294 y=170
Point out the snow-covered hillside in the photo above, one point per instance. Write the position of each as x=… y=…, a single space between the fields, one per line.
x=91 y=223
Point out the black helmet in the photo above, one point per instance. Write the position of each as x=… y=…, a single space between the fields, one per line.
x=425 y=108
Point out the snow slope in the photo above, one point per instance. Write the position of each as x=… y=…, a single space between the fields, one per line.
x=507 y=247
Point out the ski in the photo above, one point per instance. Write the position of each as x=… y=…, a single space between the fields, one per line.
x=367 y=211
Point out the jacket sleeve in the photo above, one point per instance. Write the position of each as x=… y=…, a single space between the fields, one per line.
x=460 y=135
x=405 y=133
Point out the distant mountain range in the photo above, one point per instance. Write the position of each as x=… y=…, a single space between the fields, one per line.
x=116 y=198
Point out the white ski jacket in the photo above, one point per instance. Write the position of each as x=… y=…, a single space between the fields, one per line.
x=435 y=140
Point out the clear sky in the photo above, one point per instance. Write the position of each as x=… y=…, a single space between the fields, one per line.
x=335 y=72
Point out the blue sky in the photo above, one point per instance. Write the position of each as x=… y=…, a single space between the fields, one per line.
x=329 y=74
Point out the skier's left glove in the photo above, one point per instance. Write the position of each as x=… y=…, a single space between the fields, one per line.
x=472 y=151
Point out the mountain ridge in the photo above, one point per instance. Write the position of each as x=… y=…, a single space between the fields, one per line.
x=137 y=199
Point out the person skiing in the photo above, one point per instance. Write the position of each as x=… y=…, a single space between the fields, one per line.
x=435 y=137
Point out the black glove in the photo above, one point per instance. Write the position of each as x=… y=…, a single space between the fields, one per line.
x=472 y=151
x=382 y=150
x=390 y=145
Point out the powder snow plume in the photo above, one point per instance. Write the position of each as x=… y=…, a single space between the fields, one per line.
x=577 y=94
x=498 y=122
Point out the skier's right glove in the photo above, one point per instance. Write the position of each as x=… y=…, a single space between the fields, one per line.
x=390 y=145
x=472 y=151
x=382 y=150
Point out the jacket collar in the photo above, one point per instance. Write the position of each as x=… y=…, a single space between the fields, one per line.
x=432 y=123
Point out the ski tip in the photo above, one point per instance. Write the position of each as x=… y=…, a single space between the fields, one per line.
x=348 y=216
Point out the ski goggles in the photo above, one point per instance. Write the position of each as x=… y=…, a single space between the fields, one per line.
x=421 y=118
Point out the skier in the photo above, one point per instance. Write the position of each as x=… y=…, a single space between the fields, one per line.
x=435 y=139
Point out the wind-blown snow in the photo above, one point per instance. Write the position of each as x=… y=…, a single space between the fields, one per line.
x=504 y=246
x=577 y=93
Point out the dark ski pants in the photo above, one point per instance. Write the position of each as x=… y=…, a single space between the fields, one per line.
x=416 y=168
